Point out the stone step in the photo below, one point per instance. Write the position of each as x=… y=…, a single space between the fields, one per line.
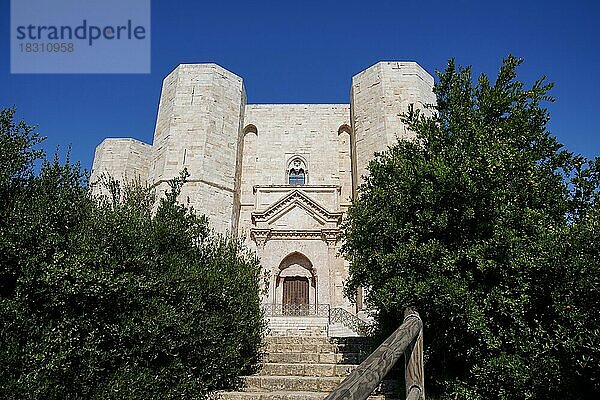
x=314 y=358
x=304 y=319
x=350 y=340
x=287 y=331
x=282 y=395
x=292 y=324
x=274 y=347
x=294 y=369
x=314 y=331
x=340 y=330
x=307 y=368
x=258 y=383
x=296 y=340
x=300 y=348
x=298 y=326
x=316 y=340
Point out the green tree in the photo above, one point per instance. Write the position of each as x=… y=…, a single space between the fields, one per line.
x=476 y=223
x=104 y=298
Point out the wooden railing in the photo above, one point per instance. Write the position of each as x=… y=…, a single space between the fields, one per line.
x=407 y=340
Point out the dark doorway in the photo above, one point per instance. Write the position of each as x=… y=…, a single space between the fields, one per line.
x=295 y=296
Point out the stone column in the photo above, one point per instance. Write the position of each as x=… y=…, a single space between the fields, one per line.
x=261 y=236
x=330 y=237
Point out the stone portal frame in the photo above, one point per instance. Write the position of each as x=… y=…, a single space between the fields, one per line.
x=317 y=242
x=296 y=264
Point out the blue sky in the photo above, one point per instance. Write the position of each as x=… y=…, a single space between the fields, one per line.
x=307 y=51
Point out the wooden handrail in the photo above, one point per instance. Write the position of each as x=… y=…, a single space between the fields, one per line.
x=407 y=340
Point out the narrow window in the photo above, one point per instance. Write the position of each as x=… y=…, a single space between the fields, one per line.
x=296 y=172
x=297 y=177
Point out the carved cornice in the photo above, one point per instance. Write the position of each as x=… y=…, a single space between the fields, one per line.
x=330 y=236
x=261 y=236
x=187 y=181
x=307 y=187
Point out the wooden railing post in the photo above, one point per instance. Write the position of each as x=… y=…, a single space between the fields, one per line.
x=413 y=363
x=361 y=382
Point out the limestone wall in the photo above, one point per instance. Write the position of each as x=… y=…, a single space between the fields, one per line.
x=123 y=159
x=310 y=130
x=199 y=128
x=280 y=131
x=379 y=95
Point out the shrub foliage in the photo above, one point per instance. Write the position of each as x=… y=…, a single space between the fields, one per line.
x=104 y=298
x=491 y=230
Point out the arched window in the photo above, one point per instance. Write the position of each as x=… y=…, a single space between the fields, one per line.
x=297 y=172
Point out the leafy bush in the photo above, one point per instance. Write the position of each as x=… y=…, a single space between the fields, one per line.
x=104 y=298
x=491 y=230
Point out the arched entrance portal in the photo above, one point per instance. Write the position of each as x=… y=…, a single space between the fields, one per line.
x=296 y=285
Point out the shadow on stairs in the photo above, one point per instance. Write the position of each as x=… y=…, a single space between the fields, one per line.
x=296 y=368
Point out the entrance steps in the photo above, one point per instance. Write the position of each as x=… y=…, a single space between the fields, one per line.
x=305 y=368
x=307 y=326
x=341 y=330
x=298 y=326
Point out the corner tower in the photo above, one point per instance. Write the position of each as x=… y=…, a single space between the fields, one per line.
x=378 y=97
x=199 y=124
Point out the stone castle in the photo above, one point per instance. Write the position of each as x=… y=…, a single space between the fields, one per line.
x=283 y=175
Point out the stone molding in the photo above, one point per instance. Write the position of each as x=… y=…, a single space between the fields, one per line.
x=286 y=187
x=261 y=236
x=296 y=198
x=261 y=233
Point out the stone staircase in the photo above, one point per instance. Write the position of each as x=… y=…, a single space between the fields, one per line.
x=304 y=368
x=340 y=330
x=298 y=326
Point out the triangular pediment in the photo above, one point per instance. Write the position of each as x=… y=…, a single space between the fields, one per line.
x=299 y=207
x=296 y=217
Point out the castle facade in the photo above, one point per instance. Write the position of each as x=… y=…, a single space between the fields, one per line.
x=283 y=175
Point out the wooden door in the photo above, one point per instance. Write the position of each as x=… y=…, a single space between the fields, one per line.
x=295 y=295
